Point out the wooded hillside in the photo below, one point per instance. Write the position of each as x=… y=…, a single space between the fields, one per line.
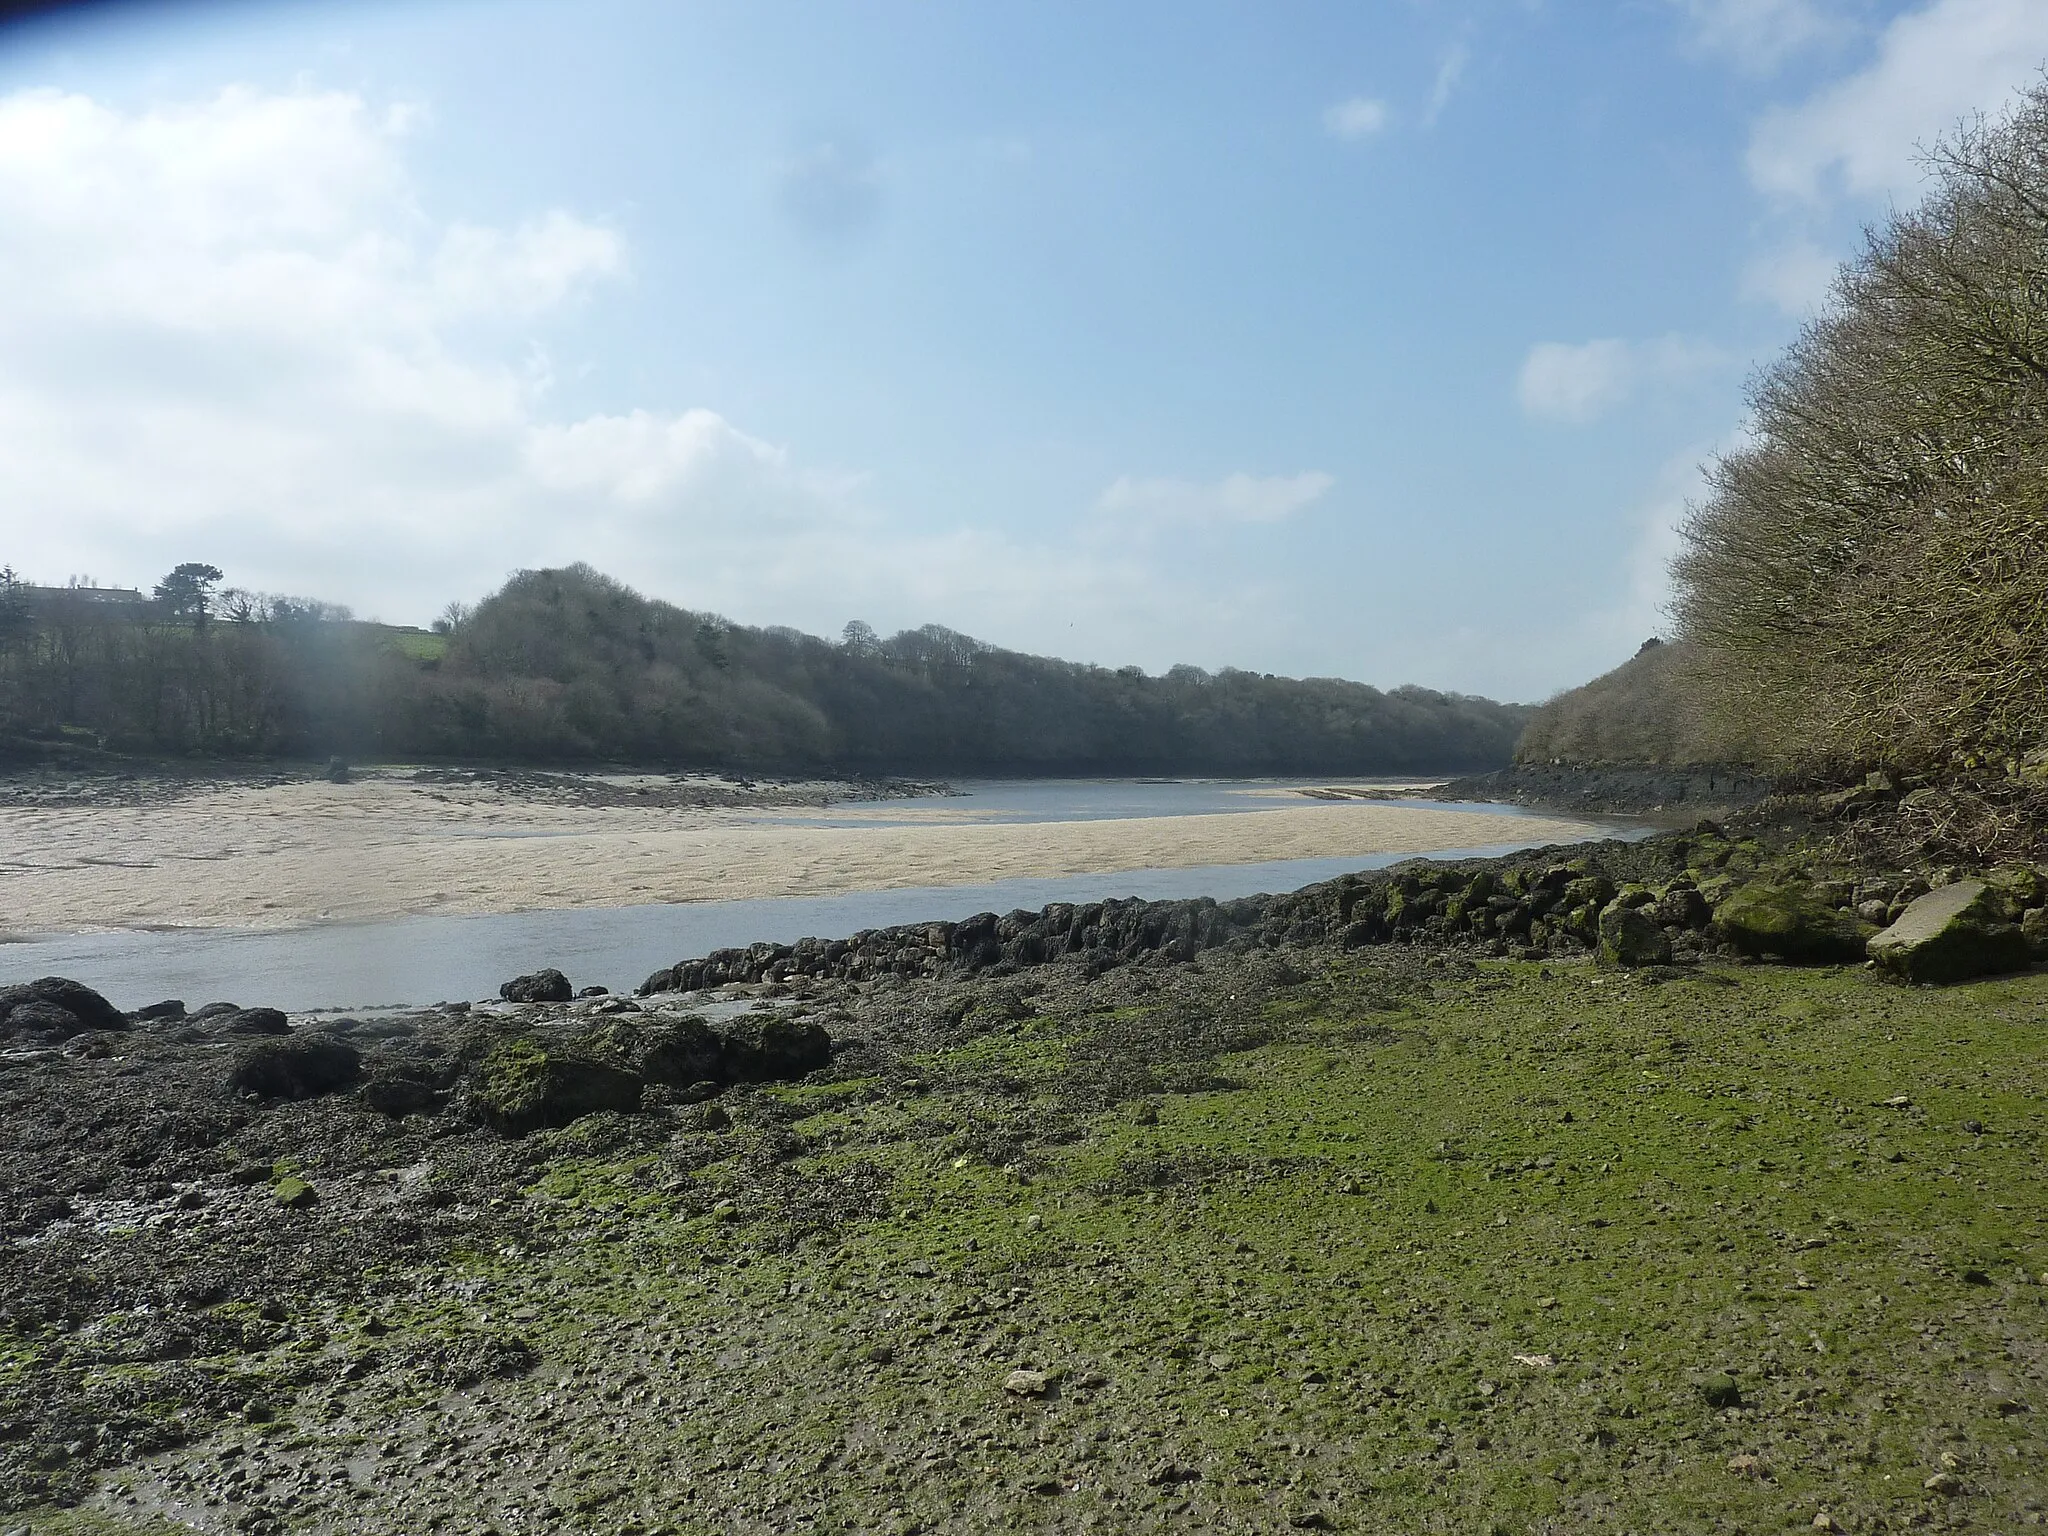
x=1644 y=711
x=571 y=665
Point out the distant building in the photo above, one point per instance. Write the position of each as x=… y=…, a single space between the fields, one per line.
x=120 y=596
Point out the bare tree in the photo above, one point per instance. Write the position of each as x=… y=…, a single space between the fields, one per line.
x=1868 y=579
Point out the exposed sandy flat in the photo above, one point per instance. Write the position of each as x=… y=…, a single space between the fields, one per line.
x=281 y=855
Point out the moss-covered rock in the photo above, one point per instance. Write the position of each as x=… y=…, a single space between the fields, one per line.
x=523 y=1086
x=2034 y=925
x=1961 y=930
x=1593 y=891
x=1629 y=935
x=679 y=1052
x=774 y=1049
x=1788 y=921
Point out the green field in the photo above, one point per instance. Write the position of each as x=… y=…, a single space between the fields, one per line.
x=420 y=645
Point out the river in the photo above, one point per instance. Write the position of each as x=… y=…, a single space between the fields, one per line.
x=424 y=959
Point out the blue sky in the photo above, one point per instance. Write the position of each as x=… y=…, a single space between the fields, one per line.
x=1373 y=340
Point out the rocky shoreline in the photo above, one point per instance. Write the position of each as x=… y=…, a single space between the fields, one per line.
x=1679 y=793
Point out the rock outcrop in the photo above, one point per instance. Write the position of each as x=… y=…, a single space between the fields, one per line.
x=51 y=1009
x=1785 y=921
x=1960 y=930
x=302 y=1066
x=1630 y=935
x=543 y=986
x=523 y=1085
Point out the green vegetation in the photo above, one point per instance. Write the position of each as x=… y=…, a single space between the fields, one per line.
x=1497 y=1247
x=1868 y=580
x=569 y=664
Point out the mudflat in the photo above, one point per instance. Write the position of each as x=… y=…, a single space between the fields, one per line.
x=281 y=853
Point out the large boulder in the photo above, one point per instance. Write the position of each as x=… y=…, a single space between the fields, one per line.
x=1789 y=922
x=52 y=1008
x=522 y=1085
x=680 y=1052
x=252 y=1021
x=1629 y=935
x=545 y=986
x=296 y=1067
x=774 y=1049
x=1951 y=934
x=398 y=1094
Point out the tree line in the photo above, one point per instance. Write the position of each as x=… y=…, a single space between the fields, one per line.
x=570 y=665
x=1865 y=583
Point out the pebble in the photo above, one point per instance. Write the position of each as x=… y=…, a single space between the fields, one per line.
x=1026 y=1383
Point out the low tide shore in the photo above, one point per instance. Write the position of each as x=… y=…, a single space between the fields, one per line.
x=1346 y=1222
x=284 y=852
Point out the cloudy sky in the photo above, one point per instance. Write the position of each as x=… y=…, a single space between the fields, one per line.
x=1372 y=340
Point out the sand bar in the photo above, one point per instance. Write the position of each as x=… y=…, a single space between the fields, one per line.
x=284 y=855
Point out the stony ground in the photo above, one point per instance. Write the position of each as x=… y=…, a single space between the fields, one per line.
x=1370 y=1241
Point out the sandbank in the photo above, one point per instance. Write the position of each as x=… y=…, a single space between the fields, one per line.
x=283 y=855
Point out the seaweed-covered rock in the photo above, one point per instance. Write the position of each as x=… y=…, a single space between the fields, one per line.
x=775 y=1049
x=1682 y=906
x=522 y=1085
x=252 y=1021
x=53 y=1008
x=296 y=1067
x=1951 y=934
x=1789 y=922
x=679 y=1052
x=398 y=1092
x=2034 y=926
x=1629 y=935
x=543 y=986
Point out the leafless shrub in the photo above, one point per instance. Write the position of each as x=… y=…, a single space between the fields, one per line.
x=1866 y=581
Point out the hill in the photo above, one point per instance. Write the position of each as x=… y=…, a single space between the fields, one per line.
x=1642 y=712
x=571 y=665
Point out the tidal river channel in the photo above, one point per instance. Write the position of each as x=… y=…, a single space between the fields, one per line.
x=424 y=959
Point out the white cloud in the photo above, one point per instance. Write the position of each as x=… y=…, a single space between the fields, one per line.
x=1238 y=498
x=1449 y=71
x=1797 y=277
x=1934 y=67
x=1609 y=636
x=1359 y=117
x=1566 y=382
x=231 y=330
x=832 y=189
x=1759 y=35
x=1579 y=382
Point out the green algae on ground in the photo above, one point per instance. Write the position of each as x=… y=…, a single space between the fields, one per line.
x=1510 y=1248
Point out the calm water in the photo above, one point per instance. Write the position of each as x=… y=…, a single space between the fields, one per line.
x=998 y=802
x=430 y=959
